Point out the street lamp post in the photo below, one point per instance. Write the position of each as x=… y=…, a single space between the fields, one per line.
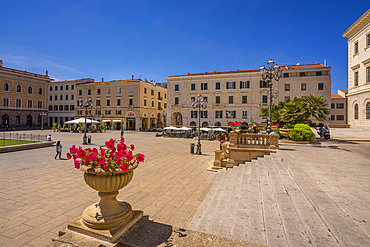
x=199 y=103
x=270 y=73
x=87 y=104
x=42 y=114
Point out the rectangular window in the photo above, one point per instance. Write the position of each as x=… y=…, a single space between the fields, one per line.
x=286 y=75
x=204 y=86
x=152 y=103
x=192 y=87
x=144 y=102
x=80 y=92
x=67 y=97
x=368 y=40
x=264 y=99
x=56 y=88
x=356 y=79
x=108 y=91
x=356 y=48
x=55 y=108
x=205 y=99
x=66 y=107
x=264 y=84
x=218 y=86
x=131 y=89
x=218 y=114
x=332 y=117
x=51 y=88
x=232 y=114
x=72 y=107
x=152 y=92
x=98 y=91
x=244 y=99
x=165 y=105
x=231 y=99
x=318 y=73
x=159 y=105
x=192 y=99
x=194 y=114
x=61 y=108
x=118 y=102
x=176 y=87
x=119 y=90
x=244 y=84
x=368 y=74
x=321 y=86
x=61 y=97
x=118 y=112
x=332 y=105
x=61 y=88
x=72 y=96
x=50 y=107
x=302 y=74
x=287 y=87
x=144 y=90
x=131 y=101
x=51 y=97
x=56 y=97
x=88 y=91
x=340 y=105
x=176 y=100
x=340 y=117
x=218 y=99
x=203 y=114
x=245 y=114
x=230 y=85
x=286 y=98
x=72 y=87
x=108 y=102
x=303 y=86
x=66 y=89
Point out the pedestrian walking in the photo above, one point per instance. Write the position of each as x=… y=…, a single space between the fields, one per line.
x=122 y=132
x=58 y=148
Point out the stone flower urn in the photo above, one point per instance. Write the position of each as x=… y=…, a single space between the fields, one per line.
x=107 y=219
x=284 y=132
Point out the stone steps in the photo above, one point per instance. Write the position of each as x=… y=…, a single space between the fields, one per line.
x=260 y=201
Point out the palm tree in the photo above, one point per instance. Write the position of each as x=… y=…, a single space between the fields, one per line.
x=316 y=107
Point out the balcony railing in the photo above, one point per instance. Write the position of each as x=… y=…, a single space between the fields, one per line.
x=159 y=98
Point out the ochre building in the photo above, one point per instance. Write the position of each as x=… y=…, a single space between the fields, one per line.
x=128 y=104
x=23 y=98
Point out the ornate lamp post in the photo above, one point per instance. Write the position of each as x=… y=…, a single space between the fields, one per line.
x=199 y=103
x=273 y=72
x=87 y=104
x=42 y=114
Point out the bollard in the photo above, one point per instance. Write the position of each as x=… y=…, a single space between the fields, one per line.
x=192 y=145
x=89 y=139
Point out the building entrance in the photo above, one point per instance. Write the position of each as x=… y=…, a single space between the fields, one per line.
x=130 y=124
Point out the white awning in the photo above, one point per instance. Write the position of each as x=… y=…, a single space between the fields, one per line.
x=117 y=120
x=106 y=120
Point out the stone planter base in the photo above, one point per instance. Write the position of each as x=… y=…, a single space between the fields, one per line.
x=110 y=235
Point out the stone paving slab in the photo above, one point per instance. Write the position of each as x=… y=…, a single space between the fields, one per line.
x=39 y=195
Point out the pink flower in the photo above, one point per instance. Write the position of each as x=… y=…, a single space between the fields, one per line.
x=124 y=167
x=69 y=156
x=140 y=157
x=132 y=147
x=77 y=164
x=110 y=144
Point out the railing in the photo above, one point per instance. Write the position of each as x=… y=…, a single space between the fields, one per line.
x=254 y=140
x=18 y=138
x=159 y=98
x=251 y=140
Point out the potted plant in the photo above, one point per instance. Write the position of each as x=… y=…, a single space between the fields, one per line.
x=71 y=129
x=234 y=125
x=99 y=128
x=65 y=127
x=89 y=128
x=107 y=171
x=105 y=128
x=54 y=127
x=59 y=126
x=275 y=126
x=223 y=137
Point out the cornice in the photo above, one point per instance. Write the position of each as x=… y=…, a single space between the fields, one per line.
x=358 y=23
x=355 y=66
x=15 y=75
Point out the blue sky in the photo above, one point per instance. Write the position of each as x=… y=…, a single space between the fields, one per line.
x=157 y=39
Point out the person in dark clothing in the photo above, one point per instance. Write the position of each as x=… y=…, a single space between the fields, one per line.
x=122 y=132
x=59 y=150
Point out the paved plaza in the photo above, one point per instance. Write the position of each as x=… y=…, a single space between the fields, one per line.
x=39 y=195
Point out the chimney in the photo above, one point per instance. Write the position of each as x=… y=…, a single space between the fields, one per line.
x=325 y=62
x=1 y=63
x=102 y=79
x=47 y=73
x=132 y=77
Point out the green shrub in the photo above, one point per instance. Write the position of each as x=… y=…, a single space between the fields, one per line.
x=71 y=128
x=195 y=133
x=302 y=127
x=301 y=135
x=278 y=132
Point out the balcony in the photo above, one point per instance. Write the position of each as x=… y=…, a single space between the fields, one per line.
x=159 y=108
x=160 y=98
x=244 y=117
x=130 y=106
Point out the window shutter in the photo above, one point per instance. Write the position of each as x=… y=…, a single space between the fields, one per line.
x=227 y=85
x=241 y=84
x=234 y=113
x=260 y=84
x=201 y=86
x=247 y=84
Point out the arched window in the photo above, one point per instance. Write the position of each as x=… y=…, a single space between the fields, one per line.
x=29 y=103
x=356 y=111
x=5 y=101
x=18 y=102
x=368 y=110
x=30 y=89
x=5 y=120
x=193 y=124
x=6 y=86
x=39 y=119
x=18 y=119
x=39 y=104
x=19 y=88
x=205 y=124
x=40 y=91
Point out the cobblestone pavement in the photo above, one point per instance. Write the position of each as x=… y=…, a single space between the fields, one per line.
x=40 y=195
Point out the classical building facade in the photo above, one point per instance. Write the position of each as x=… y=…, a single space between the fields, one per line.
x=359 y=72
x=241 y=93
x=23 y=98
x=133 y=103
x=339 y=108
x=62 y=100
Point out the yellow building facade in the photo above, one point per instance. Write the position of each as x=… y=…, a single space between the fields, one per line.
x=129 y=104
